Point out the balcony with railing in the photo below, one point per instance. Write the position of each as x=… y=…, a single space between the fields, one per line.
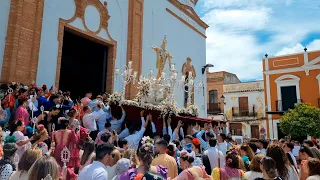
x=242 y=113
x=283 y=106
x=214 y=108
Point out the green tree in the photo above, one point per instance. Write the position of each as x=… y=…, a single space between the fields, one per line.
x=303 y=120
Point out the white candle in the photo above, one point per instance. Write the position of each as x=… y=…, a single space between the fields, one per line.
x=183 y=78
x=175 y=75
x=201 y=84
x=172 y=66
x=117 y=71
x=130 y=64
x=191 y=82
x=135 y=74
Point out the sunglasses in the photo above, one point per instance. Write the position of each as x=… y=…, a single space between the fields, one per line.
x=261 y=161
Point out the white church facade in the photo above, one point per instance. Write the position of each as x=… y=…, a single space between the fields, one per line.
x=71 y=44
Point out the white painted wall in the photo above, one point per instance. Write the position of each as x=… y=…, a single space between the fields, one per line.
x=54 y=10
x=182 y=42
x=231 y=101
x=255 y=98
x=4 y=17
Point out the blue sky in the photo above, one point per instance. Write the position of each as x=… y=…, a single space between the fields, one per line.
x=242 y=31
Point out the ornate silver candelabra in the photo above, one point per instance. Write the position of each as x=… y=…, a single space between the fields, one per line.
x=189 y=86
x=127 y=76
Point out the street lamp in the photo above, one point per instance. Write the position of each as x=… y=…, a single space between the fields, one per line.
x=205 y=67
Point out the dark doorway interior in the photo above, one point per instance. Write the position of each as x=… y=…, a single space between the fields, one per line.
x=280 y=133
x=83 y=66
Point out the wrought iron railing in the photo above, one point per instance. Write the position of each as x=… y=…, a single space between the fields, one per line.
x=250 y=112
x=286 y=105
x=214 y=108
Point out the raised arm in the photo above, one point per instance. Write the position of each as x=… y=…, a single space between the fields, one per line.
x=123 y=115
x=170 y=129
x=154 y=130
x=142 y=118
x=143 y=129
x=175 y=134
x=164 y=129
x=199 y=135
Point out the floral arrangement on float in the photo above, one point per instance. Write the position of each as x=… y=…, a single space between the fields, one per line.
x=169 y=110
x=191 y=110
x=115 y=98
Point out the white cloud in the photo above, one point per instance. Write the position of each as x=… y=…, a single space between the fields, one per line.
x=314 y=45
x=233 y=40
x=290 y=50
x=298 y=48
x=230 y=3
x=244 y=19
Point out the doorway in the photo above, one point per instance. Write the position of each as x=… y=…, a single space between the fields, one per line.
x=255 y=131
x=280 y=133
x=83 y=66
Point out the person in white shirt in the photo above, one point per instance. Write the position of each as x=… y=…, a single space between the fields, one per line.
x=89 y=121
x=296 y=148
x=262 y=146
x=117 y=123
x=288 y=147
x=135 y=137
x=102 y=116
x=222 y=145
x=216 y=158
x=98 y=170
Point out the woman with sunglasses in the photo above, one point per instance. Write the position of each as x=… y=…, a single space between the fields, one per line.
x=269 y=169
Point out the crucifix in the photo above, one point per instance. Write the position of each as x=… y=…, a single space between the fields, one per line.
x=10 y=91
x=162 y=56
x=65 y=156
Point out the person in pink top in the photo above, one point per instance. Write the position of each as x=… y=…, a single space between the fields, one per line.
x=87 y=99
x=66 y=138
x=21 y=112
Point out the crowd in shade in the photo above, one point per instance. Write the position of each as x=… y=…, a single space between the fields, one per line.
x=47 y=136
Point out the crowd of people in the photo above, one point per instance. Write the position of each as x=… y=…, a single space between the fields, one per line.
x=45 y=135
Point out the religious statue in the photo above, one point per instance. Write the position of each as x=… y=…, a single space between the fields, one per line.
x=162 y=56
x=188 y=67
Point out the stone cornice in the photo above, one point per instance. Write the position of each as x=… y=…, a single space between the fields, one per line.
x=189 y=11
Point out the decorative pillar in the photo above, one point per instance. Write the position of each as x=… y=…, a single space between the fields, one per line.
x=20 y=61
x=134 y=42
